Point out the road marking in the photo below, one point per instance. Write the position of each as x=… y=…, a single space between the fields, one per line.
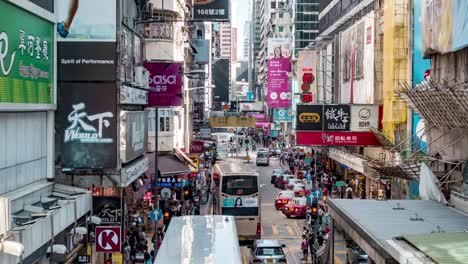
x=290 y=230
x=261 y=230
x=275 y=230
x=338 y=260
x=298 y=229
x=244 y=259
x=267 y=204
x=339 y=243
x=341 y=252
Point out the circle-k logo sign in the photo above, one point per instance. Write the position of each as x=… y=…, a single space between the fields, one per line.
x=108 y=239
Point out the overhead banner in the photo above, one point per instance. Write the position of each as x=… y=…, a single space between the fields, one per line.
x=232 y=121
x=251 y=107
x=211 y=10
x=282 y=115
x=306 y=75
x=336 y=117
x=279 y=65
x=166 y=84
x=357 y=62
x=444 y=26
x=309 y=118
x=363 y=117
x=133 y=134
x=87 y=125
x=27 y=57
x=336 y=138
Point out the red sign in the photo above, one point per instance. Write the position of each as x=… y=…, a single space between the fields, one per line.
x=307 y=97
x=108 y=239
x=336 y=139
x=197 y=146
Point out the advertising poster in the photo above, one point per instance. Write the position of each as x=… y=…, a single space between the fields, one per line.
x=166 y=84
x=26 y=57
x=421 y=67
x=86 y=35
x=86 y=125
x=336 y=138
x=309 y=118
x=240 y=202
x=279 y=65
x=445 y=27
x=251 y=107
x=363 y=117
x=357 y=62
x=133 y=134
x=107 y=208
x=211 y=10
x=306 y=75
x=282 y=115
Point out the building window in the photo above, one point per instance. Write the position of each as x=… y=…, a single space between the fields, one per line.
x=273 y=5
x=161 y=124
x=280 y=28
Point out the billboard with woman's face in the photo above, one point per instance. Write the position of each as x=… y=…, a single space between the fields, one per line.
x=279 y=65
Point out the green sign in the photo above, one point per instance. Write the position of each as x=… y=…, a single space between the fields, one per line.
x=26 y=57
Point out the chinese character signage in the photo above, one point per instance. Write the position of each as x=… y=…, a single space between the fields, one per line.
x=363 y=117
x=211 y=10
x=306 y=76
x=336 y=138
x=166 y=84
x=87 y=128
x=232 y=121
x=107 y=209
x=336 y=117
x=26 y=57
x=279 y=65
x=309 y=118
x=197 y=146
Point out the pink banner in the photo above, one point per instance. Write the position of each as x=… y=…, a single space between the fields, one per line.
x=279 y=87
x=336 y=139
x=165 y=83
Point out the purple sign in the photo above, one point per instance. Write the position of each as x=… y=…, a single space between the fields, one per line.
x=279 y=88
x=166 y=84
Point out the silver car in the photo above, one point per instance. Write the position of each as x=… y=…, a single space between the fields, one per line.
x=263 y=159
x=267 y=251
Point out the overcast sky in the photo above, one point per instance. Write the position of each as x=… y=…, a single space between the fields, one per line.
x=240 y=14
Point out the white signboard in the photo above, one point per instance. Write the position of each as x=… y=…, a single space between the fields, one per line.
x=364 y=116
x=251 y=107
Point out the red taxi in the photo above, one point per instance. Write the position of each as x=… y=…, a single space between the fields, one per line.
x=300 y=190
x=291 y=183
x=297 y=207
x=283 y=198
x=282 y=180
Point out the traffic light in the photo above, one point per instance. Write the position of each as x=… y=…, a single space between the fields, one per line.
x=167 y=215
x=314 y=209
x=187 y=193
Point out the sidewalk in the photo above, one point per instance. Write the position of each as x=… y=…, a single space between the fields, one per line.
x=205 y=209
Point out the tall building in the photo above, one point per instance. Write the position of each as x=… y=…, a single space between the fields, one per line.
x=255 y=35
x=246 y=42
x=225 y=38
x=233 y=45
x=306 y=23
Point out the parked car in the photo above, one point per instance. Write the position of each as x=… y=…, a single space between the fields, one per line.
x=297 y=207
x=275 y=174
x=283 y=198
x=263 y=159
x=300 y=190
x=267 y=251
x=355 y=255
x=291 y=183
x=283 y=180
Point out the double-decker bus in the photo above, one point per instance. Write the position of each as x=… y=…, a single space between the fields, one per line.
x=239 y=196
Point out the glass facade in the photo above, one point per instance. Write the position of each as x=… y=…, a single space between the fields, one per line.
x=306 y=23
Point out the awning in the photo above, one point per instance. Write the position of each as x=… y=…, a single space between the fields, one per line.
x=170 y=165
x=184 y=156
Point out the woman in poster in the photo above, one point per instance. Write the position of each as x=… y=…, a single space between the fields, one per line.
x=238 y=202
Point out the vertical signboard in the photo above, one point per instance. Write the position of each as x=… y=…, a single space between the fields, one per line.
x=336 y=117
x=211 y=10
x=26 y=57
x=221 y=80
x=279 y=65
x=86 y=40
x=309 y=117
x=108 y=239
x=133 y=134
x=87 y=126
x=421 y=69
x=306 y=75
x=166 y=84
x=357 y=62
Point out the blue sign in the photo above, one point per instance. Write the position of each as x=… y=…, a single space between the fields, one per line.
x=250 y=96
x=169 y=184
x=156 y=215
x=274 y=133
x=281 y=115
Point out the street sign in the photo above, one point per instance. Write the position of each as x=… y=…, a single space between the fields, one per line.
x=166 y=193
x=108 y=239
x=156 y=215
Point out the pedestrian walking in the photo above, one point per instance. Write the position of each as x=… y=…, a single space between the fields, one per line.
x=304 y=248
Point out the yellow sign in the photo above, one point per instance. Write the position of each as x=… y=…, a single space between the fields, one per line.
x=309 y=117
x=232 y=121
x=117 y=258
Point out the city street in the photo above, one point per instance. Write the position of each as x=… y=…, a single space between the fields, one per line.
x=275 y=225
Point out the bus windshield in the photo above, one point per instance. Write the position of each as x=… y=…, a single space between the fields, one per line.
x=239 y=185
